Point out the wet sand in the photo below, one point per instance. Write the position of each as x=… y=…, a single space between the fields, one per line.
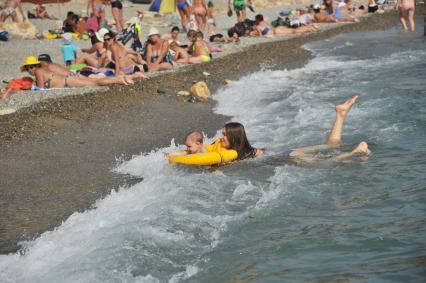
x=57 y=155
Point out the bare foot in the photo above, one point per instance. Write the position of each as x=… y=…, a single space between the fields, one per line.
x=362 y=148
x=138 y=75
x=343 y=109
x=128 y=80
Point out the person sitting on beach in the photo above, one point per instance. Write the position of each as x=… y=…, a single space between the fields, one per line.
x=124 y=60
x=406 y=7
x=174 y=36
x=41 y=12
x=322 y=17
x=180 y=55
x=239 y=8
x=9 y=10
x=200 y=50
x=157 y=52
x=194 y=145
x=200 y=12
x=352 y=9
x=46 y=79
x=184 y=12
x=332 y=10
x=68 y=23
x=96 y=56
x=234 y=137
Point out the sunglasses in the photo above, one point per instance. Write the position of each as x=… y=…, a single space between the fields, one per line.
x=27 y=68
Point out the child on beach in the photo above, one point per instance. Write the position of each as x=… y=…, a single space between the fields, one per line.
x=194 y=144
x=211 y=22
x=200 y=49
x=69 y=50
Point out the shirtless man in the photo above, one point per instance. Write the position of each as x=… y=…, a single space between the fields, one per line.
x=200 y=11
x=9 y=10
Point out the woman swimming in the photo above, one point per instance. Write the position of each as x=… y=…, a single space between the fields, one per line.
x=234 y=137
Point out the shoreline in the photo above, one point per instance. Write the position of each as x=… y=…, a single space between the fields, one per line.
x=59 y=153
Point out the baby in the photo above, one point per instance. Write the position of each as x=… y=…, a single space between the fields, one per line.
x=194 y=145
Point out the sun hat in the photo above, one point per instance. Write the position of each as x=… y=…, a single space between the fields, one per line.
x=101 y=33
x=29 y=61
x=153 y=31
x=67 y=37
x=317 y=7
x=44 y=58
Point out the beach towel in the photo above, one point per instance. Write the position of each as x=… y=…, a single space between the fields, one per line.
x=23 y=83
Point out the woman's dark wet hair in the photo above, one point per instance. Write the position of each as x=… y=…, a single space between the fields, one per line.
x=258 y=18
x=238 y=141
x=175 y=29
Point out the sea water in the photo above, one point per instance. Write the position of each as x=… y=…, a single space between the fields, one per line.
x=264 y=220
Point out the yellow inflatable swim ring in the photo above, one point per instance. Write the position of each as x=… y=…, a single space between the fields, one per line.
x=216 y=154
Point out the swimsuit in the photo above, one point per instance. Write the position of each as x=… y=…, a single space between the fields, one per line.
x=128 y=70
x=406 y=5
x=100 y=7
x=199 y=11
x=117 y=4
x=265 y=31
x=206 y=58
x=8 y=11
x=287 y=153
x=239 y=5
x=181 y=5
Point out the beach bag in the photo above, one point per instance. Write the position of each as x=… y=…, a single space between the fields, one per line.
x=23 y=83
x=4 y=35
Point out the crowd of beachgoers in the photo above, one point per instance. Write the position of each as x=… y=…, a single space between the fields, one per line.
x=119 y=55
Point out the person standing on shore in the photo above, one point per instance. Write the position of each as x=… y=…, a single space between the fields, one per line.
x=98 y=10
x=9 y=10
x=117 y=13
x=406 y=7
x=184 y=12
x=200 y=12
x=239 y=8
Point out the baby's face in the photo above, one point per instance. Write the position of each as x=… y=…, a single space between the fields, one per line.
x=192 y=146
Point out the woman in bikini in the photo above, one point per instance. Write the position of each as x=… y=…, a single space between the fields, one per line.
x=234 y=137
x=406 y=7
x=46 y=79
x=262 y=28
x=157 y=52
x=200 y=49
x=124 y=61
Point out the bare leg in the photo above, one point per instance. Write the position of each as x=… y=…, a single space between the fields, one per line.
x=361 y=149
x=335 y=135
x=411 y=19
x=402 y=19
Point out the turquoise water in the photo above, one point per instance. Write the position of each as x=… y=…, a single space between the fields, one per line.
x=264 y=220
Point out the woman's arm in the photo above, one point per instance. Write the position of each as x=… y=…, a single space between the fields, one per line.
x=148 y=54
x=163 y=51
x=115 y=58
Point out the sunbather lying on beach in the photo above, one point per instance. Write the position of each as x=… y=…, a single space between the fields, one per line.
x=234 y=137
x=194 y=145
x=46 y=79
x=323 y=17
x=262 y=28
